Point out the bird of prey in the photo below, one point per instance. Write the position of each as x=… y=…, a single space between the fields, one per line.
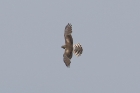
x=69 y=47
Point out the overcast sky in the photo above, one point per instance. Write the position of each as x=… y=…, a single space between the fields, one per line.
x=32 y=32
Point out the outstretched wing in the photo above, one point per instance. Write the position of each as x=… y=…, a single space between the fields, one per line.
x=68 y=45
x=67 y=35
x=67 y=56
x=66 y=60
x=77 y=49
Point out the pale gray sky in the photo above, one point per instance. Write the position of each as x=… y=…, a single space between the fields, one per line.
x=31 y=35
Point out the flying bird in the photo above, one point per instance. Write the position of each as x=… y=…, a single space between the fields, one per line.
x=70 y=49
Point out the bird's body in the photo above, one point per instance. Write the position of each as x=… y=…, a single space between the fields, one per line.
x=69 y=47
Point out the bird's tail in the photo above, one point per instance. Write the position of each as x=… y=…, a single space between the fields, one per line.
x=77 y=49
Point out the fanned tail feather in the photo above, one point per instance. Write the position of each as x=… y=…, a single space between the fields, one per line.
x=77 y=49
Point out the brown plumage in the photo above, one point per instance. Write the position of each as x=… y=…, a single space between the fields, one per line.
x=69 y=47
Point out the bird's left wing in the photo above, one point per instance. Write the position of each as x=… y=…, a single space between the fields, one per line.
x=67 y=34
x=68 y=29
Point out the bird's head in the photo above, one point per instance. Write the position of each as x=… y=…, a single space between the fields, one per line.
x=63 y=46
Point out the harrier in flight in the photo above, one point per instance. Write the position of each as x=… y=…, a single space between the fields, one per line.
x=69 y=47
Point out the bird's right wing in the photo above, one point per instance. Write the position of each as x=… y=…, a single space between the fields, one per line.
x=66 y=60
